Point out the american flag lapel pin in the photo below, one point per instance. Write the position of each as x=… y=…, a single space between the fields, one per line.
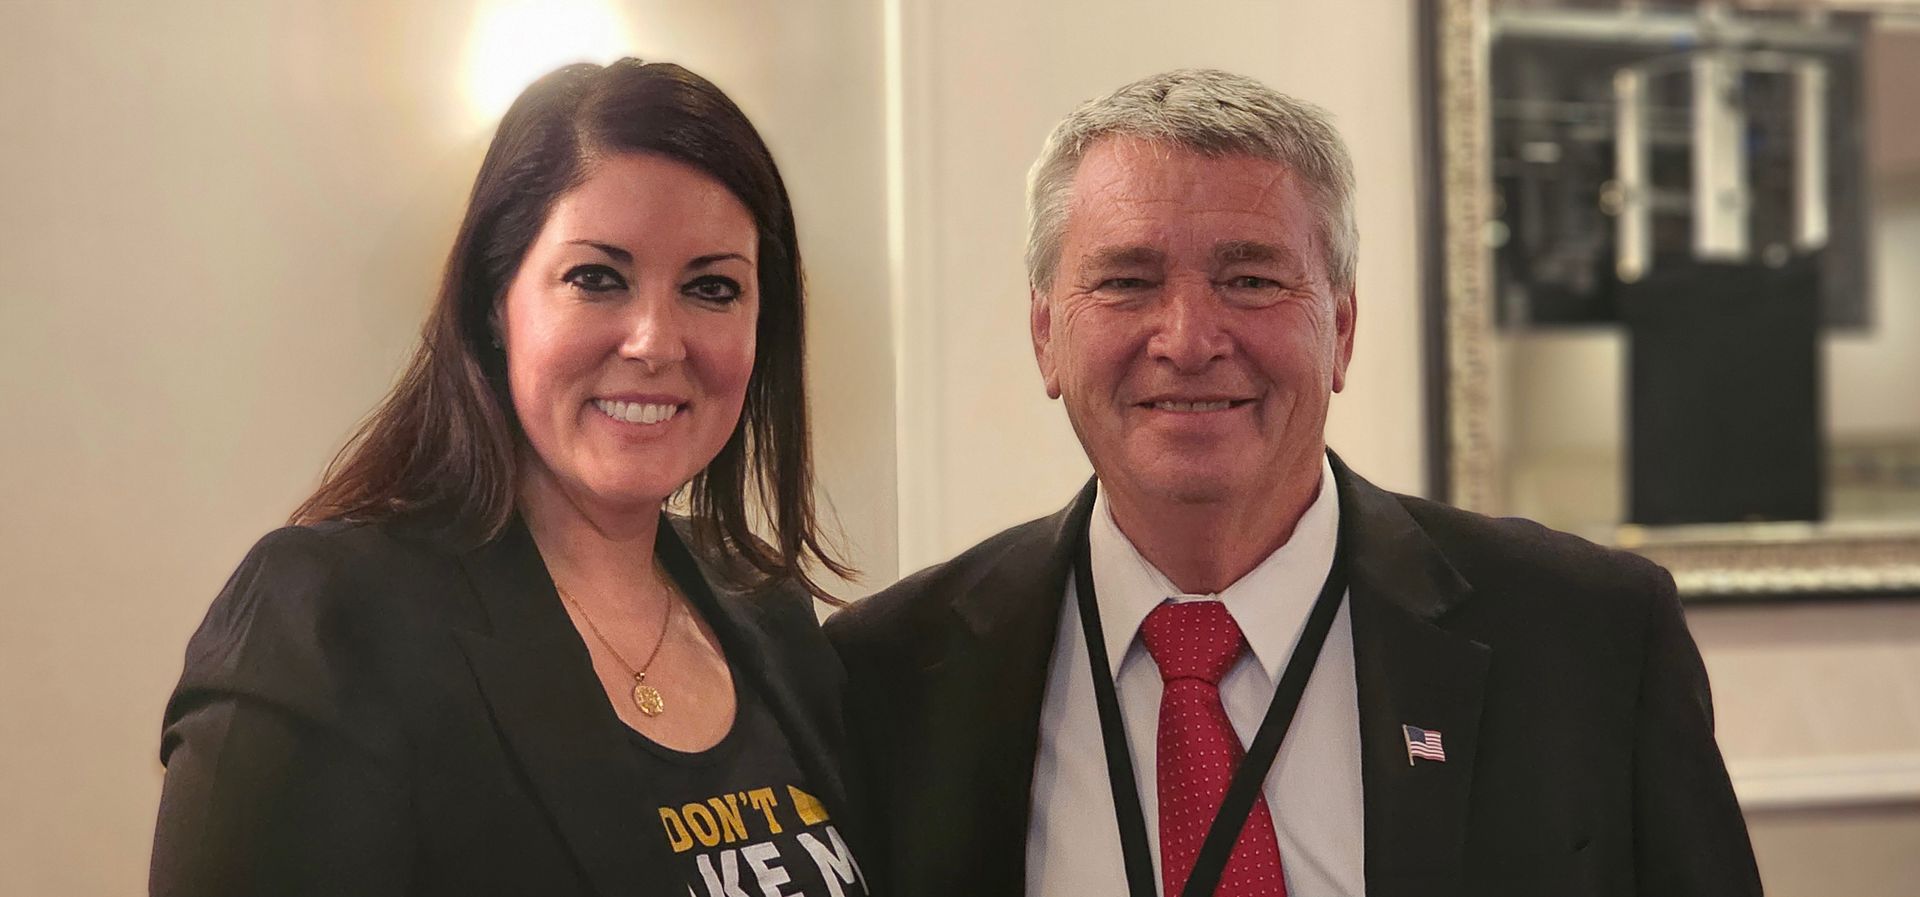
x=1423 y=744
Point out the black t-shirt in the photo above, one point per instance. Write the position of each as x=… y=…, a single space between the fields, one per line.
x=738 y=817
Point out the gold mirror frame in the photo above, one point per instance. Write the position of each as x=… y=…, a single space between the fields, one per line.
x=1718 y=561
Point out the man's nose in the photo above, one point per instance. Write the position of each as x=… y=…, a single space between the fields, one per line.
x=655 y=335
x=1191 y=332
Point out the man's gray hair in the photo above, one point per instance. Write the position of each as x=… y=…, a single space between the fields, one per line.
x=1210 y=112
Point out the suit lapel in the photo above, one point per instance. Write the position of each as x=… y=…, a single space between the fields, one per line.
x=538 y=679
x=1409 y=671
x=986 y=691
x=984 y=696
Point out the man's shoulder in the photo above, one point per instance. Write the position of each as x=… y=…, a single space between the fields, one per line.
x=918 y=606
x=1517 y=555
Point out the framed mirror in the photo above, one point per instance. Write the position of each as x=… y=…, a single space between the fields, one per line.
x=1674 y=297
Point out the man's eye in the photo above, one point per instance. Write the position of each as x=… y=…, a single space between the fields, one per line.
x=1124 y=283
x=713 y=288
x=1252 y=282
x=595 y=278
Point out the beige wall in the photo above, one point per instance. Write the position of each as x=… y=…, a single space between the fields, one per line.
x=218 y=228
x=1818 y=708
x=219 y=222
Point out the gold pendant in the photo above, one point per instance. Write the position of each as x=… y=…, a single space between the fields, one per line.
x=648 y=698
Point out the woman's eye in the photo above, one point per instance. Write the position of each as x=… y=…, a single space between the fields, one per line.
x=712 y=288
x=595 y=278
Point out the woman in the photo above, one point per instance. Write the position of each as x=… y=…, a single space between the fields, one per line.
x=484 y=660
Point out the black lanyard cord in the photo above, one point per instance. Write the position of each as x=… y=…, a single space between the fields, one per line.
x=1245 y=785
x=1134 y=849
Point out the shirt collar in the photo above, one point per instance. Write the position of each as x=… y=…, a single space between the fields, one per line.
x=1270 y=603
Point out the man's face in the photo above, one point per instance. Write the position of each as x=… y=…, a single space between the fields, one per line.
x=1191 y=329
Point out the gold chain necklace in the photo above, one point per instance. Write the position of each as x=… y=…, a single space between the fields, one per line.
x=645 y=697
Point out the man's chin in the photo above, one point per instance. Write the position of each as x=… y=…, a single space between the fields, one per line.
x=1173 y=479
x=1187 y=487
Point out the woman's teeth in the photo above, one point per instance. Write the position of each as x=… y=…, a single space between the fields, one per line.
x=636 y=412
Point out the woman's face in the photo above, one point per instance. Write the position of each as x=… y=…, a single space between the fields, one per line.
x=629 y=332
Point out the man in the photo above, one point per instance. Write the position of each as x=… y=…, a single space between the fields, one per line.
x=1489 y=707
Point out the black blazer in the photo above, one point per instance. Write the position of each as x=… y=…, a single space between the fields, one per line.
x=367 y=712
x=1578 y=732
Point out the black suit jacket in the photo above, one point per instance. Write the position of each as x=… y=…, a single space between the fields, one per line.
x=366 y=712
x=1573 y=703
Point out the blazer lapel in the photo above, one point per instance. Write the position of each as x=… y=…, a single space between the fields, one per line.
x=538 y=679
x=984 y=696
x=1409 y=672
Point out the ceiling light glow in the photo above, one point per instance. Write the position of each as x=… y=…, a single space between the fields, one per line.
x=514 y=42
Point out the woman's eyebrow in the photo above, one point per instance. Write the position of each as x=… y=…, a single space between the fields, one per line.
x=616 y=252
x=708 y=261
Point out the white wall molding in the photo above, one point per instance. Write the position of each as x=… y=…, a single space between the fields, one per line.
x=913 y=231
x=1841 y=780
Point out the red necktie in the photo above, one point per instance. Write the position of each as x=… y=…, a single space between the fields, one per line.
x=1195 y=643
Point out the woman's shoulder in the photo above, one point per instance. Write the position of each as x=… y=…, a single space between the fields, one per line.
x=328 y=575
x=336 y=550
x=324 y=623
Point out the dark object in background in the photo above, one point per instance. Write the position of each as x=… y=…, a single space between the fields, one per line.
x=1724 y=381
x=1553 y=151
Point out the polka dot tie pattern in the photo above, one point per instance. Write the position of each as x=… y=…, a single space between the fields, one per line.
x=1195 y=643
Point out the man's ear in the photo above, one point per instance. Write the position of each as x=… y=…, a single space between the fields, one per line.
x=1040 y=319
x=1346 y=310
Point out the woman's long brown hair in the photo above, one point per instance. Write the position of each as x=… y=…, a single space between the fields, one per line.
x=442 y=449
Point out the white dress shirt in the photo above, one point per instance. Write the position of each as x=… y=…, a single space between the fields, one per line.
x=1313 y=789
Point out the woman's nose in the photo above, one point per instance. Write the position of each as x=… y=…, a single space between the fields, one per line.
x=655 y=335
